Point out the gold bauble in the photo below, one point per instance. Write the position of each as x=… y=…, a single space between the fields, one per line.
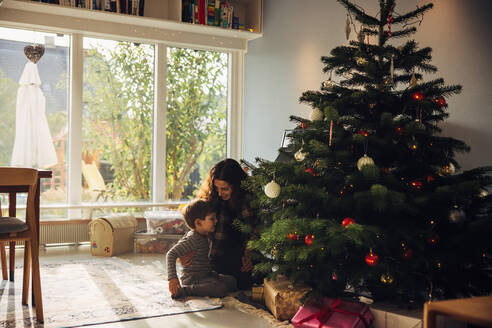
x=364 y=160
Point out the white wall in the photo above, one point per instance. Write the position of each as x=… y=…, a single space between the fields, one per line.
x=286 y=61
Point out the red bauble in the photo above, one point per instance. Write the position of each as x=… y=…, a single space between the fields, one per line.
x=429 y=178
x=311 y=171
x=441 y=101
x=408 y=254
x=309 y=239
x=293 y=236
x=386 y=169
x=304 y=125
x=399 y=130
x=417 y=95
x=246 y=169
x=372 y=259
x=347 y=221
x=363 y=133
x=416 y=184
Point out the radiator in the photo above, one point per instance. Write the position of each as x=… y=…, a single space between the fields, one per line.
x=70 y=231
x=64 y=232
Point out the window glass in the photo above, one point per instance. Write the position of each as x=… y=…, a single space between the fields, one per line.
x=117 y=125
x=47 y=146
x=196 y=118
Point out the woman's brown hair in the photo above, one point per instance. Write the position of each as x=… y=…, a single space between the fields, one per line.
x=227 y=170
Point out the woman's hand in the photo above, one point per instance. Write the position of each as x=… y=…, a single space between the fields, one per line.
x=185 y=260
x=247 y=264
x=174 y=286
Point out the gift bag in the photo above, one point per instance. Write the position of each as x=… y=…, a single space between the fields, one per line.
x=333 y=313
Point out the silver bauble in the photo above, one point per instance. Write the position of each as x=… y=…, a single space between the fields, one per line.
x=272 y=189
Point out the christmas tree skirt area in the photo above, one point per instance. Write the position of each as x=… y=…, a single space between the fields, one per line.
x=95 y=291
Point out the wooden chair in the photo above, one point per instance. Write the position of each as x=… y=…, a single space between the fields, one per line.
x=13 y=181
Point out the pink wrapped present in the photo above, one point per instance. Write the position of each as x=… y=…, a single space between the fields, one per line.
x=333 y=313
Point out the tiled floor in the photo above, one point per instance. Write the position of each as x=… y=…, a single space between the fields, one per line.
x=228 y=316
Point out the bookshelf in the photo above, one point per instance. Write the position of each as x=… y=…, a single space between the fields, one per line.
x=161 y=23
x=249 y=12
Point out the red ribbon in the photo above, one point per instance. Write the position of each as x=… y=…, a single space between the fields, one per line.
x=331 y=132
x=325 y=313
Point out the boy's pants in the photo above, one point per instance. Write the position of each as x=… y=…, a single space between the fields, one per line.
x=213 y=285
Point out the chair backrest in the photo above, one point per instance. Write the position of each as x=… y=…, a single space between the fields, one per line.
x=17 y=177
x=93 y=177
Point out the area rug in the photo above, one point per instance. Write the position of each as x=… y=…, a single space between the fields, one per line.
x=94 y=291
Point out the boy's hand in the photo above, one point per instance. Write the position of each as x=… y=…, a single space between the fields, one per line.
x=185 y=260
x=174 y=286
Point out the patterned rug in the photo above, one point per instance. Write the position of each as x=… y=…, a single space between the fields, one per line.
x=94 y=291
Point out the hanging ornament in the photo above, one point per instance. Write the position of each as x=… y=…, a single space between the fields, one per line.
x=389 y=20
x=331 y=133
x=311 y=171
x=413 y=145
x=416 y=184
x=293 y=236
x=34 y=52
x=363 y=133
x=272 y=189
x=309 y=239
x=372 y=105
x=418 y=96
x=371 y=258
x=456 y=215
x=361 y=61
x=448 y=169
x=364 y=160
x=347 y=28
x=328 y=84
x=386 y=278
x=413 y=81
x=429 y=178
x=334 y=276
x=316 y=115
x=300 y=155
x=304 y=125
x=275 y=268
x=440 y=101
x=399 y=130
x=483 y=193
x=347 y=221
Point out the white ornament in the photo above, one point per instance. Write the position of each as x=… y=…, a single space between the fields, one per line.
x=300 y=155
x=363 y=161
x=328 y=84
x=272 y=189
x=448 y=169
x=316 y=115
x=483 y=193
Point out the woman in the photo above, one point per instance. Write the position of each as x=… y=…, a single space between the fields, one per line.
x=229 y=254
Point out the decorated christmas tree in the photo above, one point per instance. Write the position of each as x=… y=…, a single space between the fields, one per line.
x=371 y=197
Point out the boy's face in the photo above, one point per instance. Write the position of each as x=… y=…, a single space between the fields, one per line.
x=208 y=224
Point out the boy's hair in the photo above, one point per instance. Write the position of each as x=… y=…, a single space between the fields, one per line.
x=197 y=209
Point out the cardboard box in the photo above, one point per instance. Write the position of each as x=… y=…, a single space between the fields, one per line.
x=283 y=299
x=113 y=235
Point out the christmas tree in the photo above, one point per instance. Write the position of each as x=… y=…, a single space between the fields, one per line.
x=371 y=197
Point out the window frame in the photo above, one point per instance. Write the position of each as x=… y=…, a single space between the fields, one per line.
x=208 y=42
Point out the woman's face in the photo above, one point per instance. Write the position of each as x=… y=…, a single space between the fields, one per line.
x=224 y=189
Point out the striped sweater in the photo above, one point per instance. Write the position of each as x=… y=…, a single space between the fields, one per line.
x=200 y=264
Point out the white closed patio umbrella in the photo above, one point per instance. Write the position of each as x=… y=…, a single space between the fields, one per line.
x=33 y=145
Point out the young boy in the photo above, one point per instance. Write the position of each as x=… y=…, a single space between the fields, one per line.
x=198 y=278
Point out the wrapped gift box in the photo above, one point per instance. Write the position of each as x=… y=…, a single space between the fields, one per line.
x=257 y=294
x=333 y=313
x=283 y=299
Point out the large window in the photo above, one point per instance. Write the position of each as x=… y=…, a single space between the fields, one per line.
x=117 y=124
x=53 y=70
x=196 y=117
x=122 y=115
